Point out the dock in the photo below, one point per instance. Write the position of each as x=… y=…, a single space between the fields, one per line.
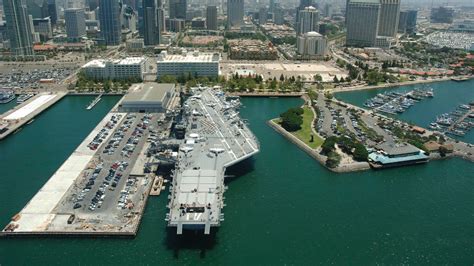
x=158 y=186
x=94 y=102
x=14 y=119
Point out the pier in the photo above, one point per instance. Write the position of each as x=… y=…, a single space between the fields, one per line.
x=14 y=119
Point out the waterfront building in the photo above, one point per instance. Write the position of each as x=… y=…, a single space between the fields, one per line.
x=192 y=63
x=110 y=25
x=18 y=27
x=390 y=154
x=177 y=9
x=75 y=23
x=43 y=27
x=311 y=44
x=308 y=20
x=101 y=69
x=362 y=22
x=235 y=13
x=389 y=17
x=211 y=17
x=442 y=15
x=148 y=98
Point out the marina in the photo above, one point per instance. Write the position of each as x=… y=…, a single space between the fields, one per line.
x=395 y=102
x=6 y=96
x=457 y=122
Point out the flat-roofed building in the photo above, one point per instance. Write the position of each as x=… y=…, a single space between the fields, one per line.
x=391 y=154
x=128 y=68
x=312 y=44
x=148 y=98
x=193 y=63
x=362 y=22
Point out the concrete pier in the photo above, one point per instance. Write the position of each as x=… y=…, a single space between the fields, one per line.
x=14 y=119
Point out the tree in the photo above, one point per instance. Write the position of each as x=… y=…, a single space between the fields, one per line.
x=329 y=144
x=360 y=153
x=333 y=160
x=282 y=78
x=292 y=119
x=336 y=80
x=318 y=78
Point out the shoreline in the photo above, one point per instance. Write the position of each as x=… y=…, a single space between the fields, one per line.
x=394 y=85
x=354 y=167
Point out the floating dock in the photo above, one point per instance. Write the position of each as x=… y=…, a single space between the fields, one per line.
x=14 y=119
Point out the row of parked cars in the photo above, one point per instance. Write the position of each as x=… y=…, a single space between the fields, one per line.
x=104 y=132
x=77 y=203
x=124 y=201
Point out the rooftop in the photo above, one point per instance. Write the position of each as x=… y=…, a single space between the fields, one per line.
x=124 y=61
x=148 y=92
x=189 y=57
x=393 y=148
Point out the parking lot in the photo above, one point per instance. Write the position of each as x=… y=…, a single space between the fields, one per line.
x=106 y=187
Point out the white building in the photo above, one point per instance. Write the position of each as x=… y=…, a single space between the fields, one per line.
x=312 y=44
x=196 y=64
x=308 y=20
x=131 y=67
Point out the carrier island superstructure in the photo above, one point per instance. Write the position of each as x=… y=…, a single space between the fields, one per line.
x=215 y=138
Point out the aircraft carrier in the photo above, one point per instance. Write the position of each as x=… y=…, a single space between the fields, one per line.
x=215 y=138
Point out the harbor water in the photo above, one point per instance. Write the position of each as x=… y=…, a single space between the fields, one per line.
x=447 y=97
x=282 y=206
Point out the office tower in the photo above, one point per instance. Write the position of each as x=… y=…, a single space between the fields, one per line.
x=43 y=27
x=278 y=17
x=161 y=19
x=235 y=12
x=308 y=20
x=362 y=22
x=402 y=22
x=53 y=11
x=75 y=23
x=411 y=21
x=110 y=21
x=211 y=17
x=177 y=9
x=151 y=27
x=442 y=15
x=262 y=15
x=311 y=44
x=303 y=4
x=328 y=10
x=389 y=16
x=129 y=18
x=18 y=27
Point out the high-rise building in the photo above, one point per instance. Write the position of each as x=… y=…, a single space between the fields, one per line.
x=328 y=10
x=110 y=27
x=389 y=16
x=75 y=23
x=18 y=27
x=442 y=15
x=151 y=27
x=53 y=11
x=43 y=27
x=177 y=9
x=262 y=15
x=308 y=20
x=402 y=22
x=235 y=12
x=303 y=4
x=211 y=17
x=411 y=21
x=312 y=44
x=278 y=17
x=93 y=4
x=362 y=22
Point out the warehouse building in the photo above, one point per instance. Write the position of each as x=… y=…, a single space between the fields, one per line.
x=148 y=98
x=195 y=64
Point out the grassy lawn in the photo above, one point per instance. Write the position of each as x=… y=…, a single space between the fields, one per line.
x=304 y=134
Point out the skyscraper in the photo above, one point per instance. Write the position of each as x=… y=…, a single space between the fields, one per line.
x=308 y=20
x=389 y=18
x=177 y=9
x=53 y=11
x=402 y=22
x=75 y=23
x=18 y=27
x=151 y=27
x=411 y=21
x=303 y=4
x=362 y=22
x=110 y=21
x=211 y=17
x=235 y=12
